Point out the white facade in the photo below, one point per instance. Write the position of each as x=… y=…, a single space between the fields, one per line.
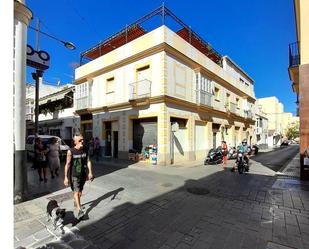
x=154 y=81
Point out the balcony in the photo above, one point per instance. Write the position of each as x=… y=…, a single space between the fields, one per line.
x=294 y=58
x=231 y=107
x=248 y=114
x=204 y=98
x=294 y=62
x=29 y=116
x=140 y=89
x=83 y=103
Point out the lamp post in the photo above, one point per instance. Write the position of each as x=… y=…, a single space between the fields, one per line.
x=37 y=76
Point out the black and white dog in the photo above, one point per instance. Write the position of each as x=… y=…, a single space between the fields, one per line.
x=55 y=214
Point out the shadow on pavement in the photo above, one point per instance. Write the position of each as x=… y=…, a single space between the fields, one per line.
x=228 y=211
x=38 y=189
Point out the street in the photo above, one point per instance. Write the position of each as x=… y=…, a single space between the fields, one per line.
x=277 y=158
x=175 y=207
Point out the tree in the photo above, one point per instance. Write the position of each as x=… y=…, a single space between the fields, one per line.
x=292 y=131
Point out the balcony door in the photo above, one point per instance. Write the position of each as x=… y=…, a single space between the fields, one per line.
x=142 y=88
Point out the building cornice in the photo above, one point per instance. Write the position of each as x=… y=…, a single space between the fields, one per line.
x=22 y=12
x=174 y=52
x=168 y=100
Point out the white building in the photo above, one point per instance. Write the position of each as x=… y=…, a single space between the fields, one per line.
x=261 y=128
x=56 y=111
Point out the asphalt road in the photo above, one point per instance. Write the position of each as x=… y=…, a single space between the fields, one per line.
x=277 y=158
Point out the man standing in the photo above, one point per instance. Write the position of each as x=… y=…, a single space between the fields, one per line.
x=77 y=163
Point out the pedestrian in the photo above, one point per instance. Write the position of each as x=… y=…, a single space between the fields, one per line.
x=96 y=148
x=90 y=146
x=75 y=171
x=41 y=151
x=224 y=151
x=53 y=157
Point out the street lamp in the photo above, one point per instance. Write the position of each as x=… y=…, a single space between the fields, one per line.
x=67 y=44
x=39 y=71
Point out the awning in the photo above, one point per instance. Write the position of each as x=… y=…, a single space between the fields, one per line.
x=51 y=122
x=52 y=98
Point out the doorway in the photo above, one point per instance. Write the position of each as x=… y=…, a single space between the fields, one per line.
x=108 y=141
x=115 y=140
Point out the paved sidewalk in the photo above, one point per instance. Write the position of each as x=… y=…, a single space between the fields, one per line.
x=187 y=206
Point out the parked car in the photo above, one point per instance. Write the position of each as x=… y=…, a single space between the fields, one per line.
x=284 y=143
x=45 y=140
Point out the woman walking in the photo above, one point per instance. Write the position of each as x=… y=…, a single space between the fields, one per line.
x=41 y=160
x=224 y=152
x=53 y=157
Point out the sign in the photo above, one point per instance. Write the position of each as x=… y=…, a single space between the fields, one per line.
x=37 y=59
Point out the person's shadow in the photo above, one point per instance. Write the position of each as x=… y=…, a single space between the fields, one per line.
x=70 y=217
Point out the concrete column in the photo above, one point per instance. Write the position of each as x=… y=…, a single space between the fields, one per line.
x=163 y=136
x=22 y=17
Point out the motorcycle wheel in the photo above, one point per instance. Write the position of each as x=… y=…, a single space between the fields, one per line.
x=240 y=169
x=206 y=162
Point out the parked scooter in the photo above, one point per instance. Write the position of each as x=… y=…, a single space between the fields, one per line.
x=242 y=163
x=215 y=156
x=254 y=150
x=232 y=153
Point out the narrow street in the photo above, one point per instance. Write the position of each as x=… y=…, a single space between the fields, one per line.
x=277 y=158
x=159 y=207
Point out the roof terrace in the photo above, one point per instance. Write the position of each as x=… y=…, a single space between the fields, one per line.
x=158 y=17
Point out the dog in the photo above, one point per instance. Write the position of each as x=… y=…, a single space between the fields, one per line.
x=55 y=214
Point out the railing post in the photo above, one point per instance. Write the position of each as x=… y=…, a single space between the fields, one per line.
x=163 y=14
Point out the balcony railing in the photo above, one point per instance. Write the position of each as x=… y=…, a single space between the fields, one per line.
x=83 y=103
x=29 y=116
x=140 y=89
x=294 y=58
x=231 y=107
x=204 y=98
x=248 y=114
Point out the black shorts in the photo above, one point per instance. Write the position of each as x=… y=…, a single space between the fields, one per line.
x=40 y=164
x=77 y=183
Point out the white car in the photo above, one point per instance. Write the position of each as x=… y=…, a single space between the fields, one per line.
x=45 y=140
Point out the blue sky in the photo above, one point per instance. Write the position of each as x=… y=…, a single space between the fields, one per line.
x=255 y=34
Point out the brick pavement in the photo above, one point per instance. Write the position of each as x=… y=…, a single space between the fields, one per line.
x=155 y=210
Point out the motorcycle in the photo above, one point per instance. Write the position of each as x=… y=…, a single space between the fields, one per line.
x=215 y=156
x=242 y=163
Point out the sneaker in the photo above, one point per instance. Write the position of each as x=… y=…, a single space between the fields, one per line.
x=232 y=169
x=80 y=214
x=45 y=179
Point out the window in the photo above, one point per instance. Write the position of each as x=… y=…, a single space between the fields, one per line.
x=81 y=90
x=203 y=83
x=237 y=103
x=227 y=100
x=241 y=81
x=143 y=73
x=217 y=93
x=110 y=85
